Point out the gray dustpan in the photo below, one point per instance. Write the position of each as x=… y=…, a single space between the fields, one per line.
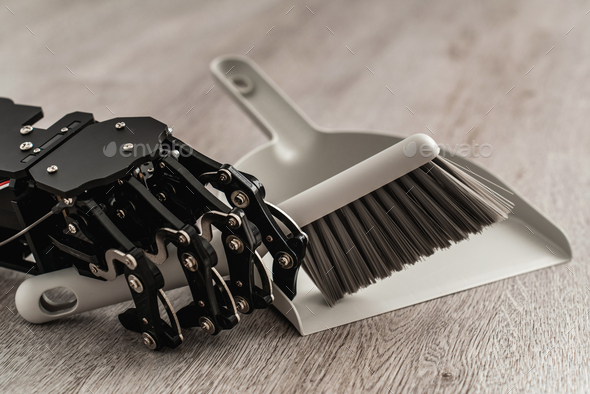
x=301 y=155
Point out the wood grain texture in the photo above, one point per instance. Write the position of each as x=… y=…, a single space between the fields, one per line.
x=464 y=69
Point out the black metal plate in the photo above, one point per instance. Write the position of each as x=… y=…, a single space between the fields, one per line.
x=13 y=161
x=93 y=157
x=12 y=118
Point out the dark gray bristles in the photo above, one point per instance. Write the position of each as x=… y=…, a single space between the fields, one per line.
x=397 y=225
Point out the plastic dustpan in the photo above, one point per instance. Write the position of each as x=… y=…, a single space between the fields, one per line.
x=300 y=156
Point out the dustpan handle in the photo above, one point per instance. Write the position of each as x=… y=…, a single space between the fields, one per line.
x=269 y=107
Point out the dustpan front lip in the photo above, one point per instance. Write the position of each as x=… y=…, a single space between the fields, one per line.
x=529 y=214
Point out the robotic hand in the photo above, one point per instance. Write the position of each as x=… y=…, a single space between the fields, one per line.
x=116 y=198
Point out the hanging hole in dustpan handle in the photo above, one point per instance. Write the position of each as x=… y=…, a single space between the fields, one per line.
x=243 y=84
x=270 y=108
x=63 y=293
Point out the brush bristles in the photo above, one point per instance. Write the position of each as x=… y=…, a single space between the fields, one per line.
x=406 y=220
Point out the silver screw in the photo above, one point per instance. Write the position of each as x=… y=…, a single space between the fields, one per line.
x=161 y=197
x=189 y=261
x=207 y=325
x=234 y=244
x=162 y=164
x=224 y=176
x=135 y=284
x=120 y=214
x=120 y=182
x=64 y=129
x=201 y=304
x=239 y=284
x=144 y=320
x=72 y=229
x=240 y=199
x=182 y=239
x=128 y=147
x=233 y=222
x=26 y=130
x=68 y=201
x=52 y=169
x=93 y=269
x=26 y=146
x=242 y=305
x=285 y=261
x=170 y=130
x=36 y=150
x=120 y=125
x=148 y=341
x=269 y=238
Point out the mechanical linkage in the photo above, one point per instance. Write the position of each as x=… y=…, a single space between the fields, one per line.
x=125 y=197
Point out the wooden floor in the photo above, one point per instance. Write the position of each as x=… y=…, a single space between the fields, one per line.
x=511 y=74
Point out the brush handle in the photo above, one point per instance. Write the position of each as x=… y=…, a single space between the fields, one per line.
x=361 y=179
x=90 y=293
x=268 y=106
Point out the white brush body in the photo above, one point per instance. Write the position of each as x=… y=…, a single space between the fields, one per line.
x=360 y=179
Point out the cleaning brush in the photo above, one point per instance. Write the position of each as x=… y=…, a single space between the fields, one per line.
x=406 y=220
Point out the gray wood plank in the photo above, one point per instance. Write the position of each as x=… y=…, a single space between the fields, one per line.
x=503 y=73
